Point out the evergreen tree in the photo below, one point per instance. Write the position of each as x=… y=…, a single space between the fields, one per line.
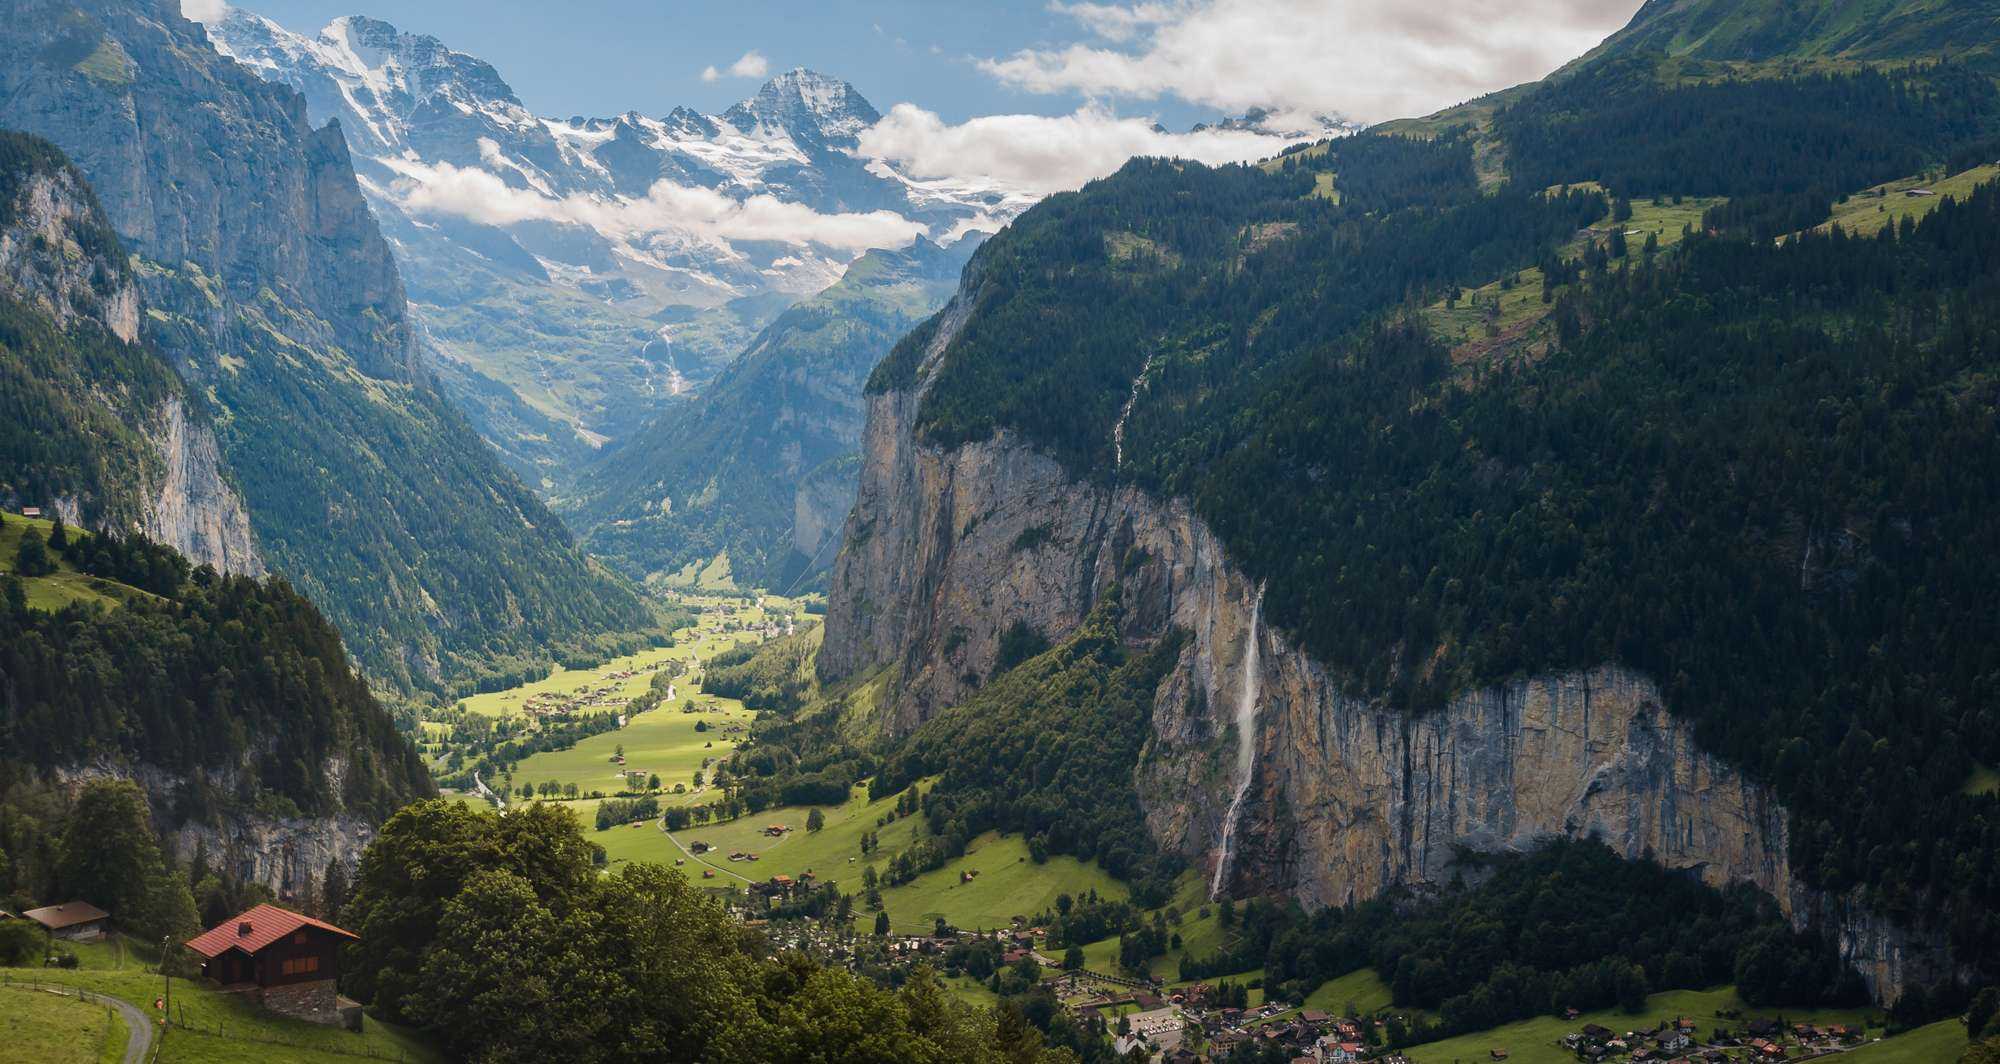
x=32 y=557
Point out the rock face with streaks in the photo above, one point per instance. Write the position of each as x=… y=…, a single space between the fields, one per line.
x=161 y=470
x=947 y=548
x=194 y=508
x=288 y=855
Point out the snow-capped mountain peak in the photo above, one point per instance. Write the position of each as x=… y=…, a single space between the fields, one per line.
x=809 y=105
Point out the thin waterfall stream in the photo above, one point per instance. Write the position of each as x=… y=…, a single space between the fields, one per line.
x=1246 y=748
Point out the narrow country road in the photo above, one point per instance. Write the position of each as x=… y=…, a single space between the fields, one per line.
x=140 y=1045
x=696 y=859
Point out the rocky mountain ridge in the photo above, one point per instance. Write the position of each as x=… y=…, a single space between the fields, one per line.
x=574 y=316
x=272 y=292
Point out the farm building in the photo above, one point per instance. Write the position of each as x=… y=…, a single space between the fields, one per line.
x=290 y=961
x=78 y=921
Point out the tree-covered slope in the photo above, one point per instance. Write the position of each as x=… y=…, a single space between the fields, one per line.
x=227 y=694
x=760 y=464
x=273 y=293
x=73 y=394
x=1759 y=473
x=1829 y=29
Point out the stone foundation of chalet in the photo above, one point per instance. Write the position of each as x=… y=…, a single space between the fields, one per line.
x=314 y=1002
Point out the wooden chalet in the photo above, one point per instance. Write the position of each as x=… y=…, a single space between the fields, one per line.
x=76 y=921
x=286 y=960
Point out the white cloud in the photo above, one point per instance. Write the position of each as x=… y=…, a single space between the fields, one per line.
x=1116 y=22
x=751 y=65
x=1366 y=59
x=206 y=11
x=667 y=210
x=1042 y=153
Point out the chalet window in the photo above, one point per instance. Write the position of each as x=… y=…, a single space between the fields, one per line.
x=299 y=938
x=299 y=965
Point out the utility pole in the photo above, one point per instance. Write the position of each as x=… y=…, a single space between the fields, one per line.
x=167 y=996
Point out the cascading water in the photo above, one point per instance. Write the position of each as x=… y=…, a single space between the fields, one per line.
x=1246 y=745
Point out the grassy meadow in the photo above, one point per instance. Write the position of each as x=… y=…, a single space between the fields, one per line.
x=51 y=1029
x=65 y=585
x=1868 y=211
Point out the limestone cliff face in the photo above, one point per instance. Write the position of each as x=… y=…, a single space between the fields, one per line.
x=1346 y=796
x=194 y=508
x=289 y=855
x=58 y=256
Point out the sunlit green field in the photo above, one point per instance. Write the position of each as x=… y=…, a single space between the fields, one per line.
x=662 y=741
x=563 y=681
x=1008 y=885
x=1885 y=204
x=1938 y=1043
x=1364 y=990
x=50 y=1029
x=1539 y=1040
x=64 y=586
x=825 y=852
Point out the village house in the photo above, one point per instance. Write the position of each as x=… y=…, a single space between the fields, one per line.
x=74 y=921
x=286 y=961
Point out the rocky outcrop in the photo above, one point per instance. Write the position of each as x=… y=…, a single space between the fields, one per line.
x=289 y=855
x=58 y=255
x=44 y=260
x=1346 y=796
x=194 y=509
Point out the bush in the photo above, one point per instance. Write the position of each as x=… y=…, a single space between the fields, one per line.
x=21 y=942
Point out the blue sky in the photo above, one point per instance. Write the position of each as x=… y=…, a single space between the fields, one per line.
x=601 y=57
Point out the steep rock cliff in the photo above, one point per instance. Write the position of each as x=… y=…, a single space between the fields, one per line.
x=148 y=462
x=946 y=549
x=288 y=855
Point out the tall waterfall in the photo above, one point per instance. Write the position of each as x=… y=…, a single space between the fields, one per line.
x=1246 y=740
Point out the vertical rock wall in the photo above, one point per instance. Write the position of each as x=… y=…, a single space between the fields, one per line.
x=946 y=549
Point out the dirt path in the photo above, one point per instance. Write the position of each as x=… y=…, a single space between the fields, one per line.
x=140 y=1046
x=698 y=860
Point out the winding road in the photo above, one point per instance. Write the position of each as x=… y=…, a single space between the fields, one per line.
x=696 y=859
x=140 y=1045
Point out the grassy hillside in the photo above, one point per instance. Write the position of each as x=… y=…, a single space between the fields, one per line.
x=52 y=1029
x=213 y=1027
x=64 y=586
x=1757 y=30
x=1008 y=884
